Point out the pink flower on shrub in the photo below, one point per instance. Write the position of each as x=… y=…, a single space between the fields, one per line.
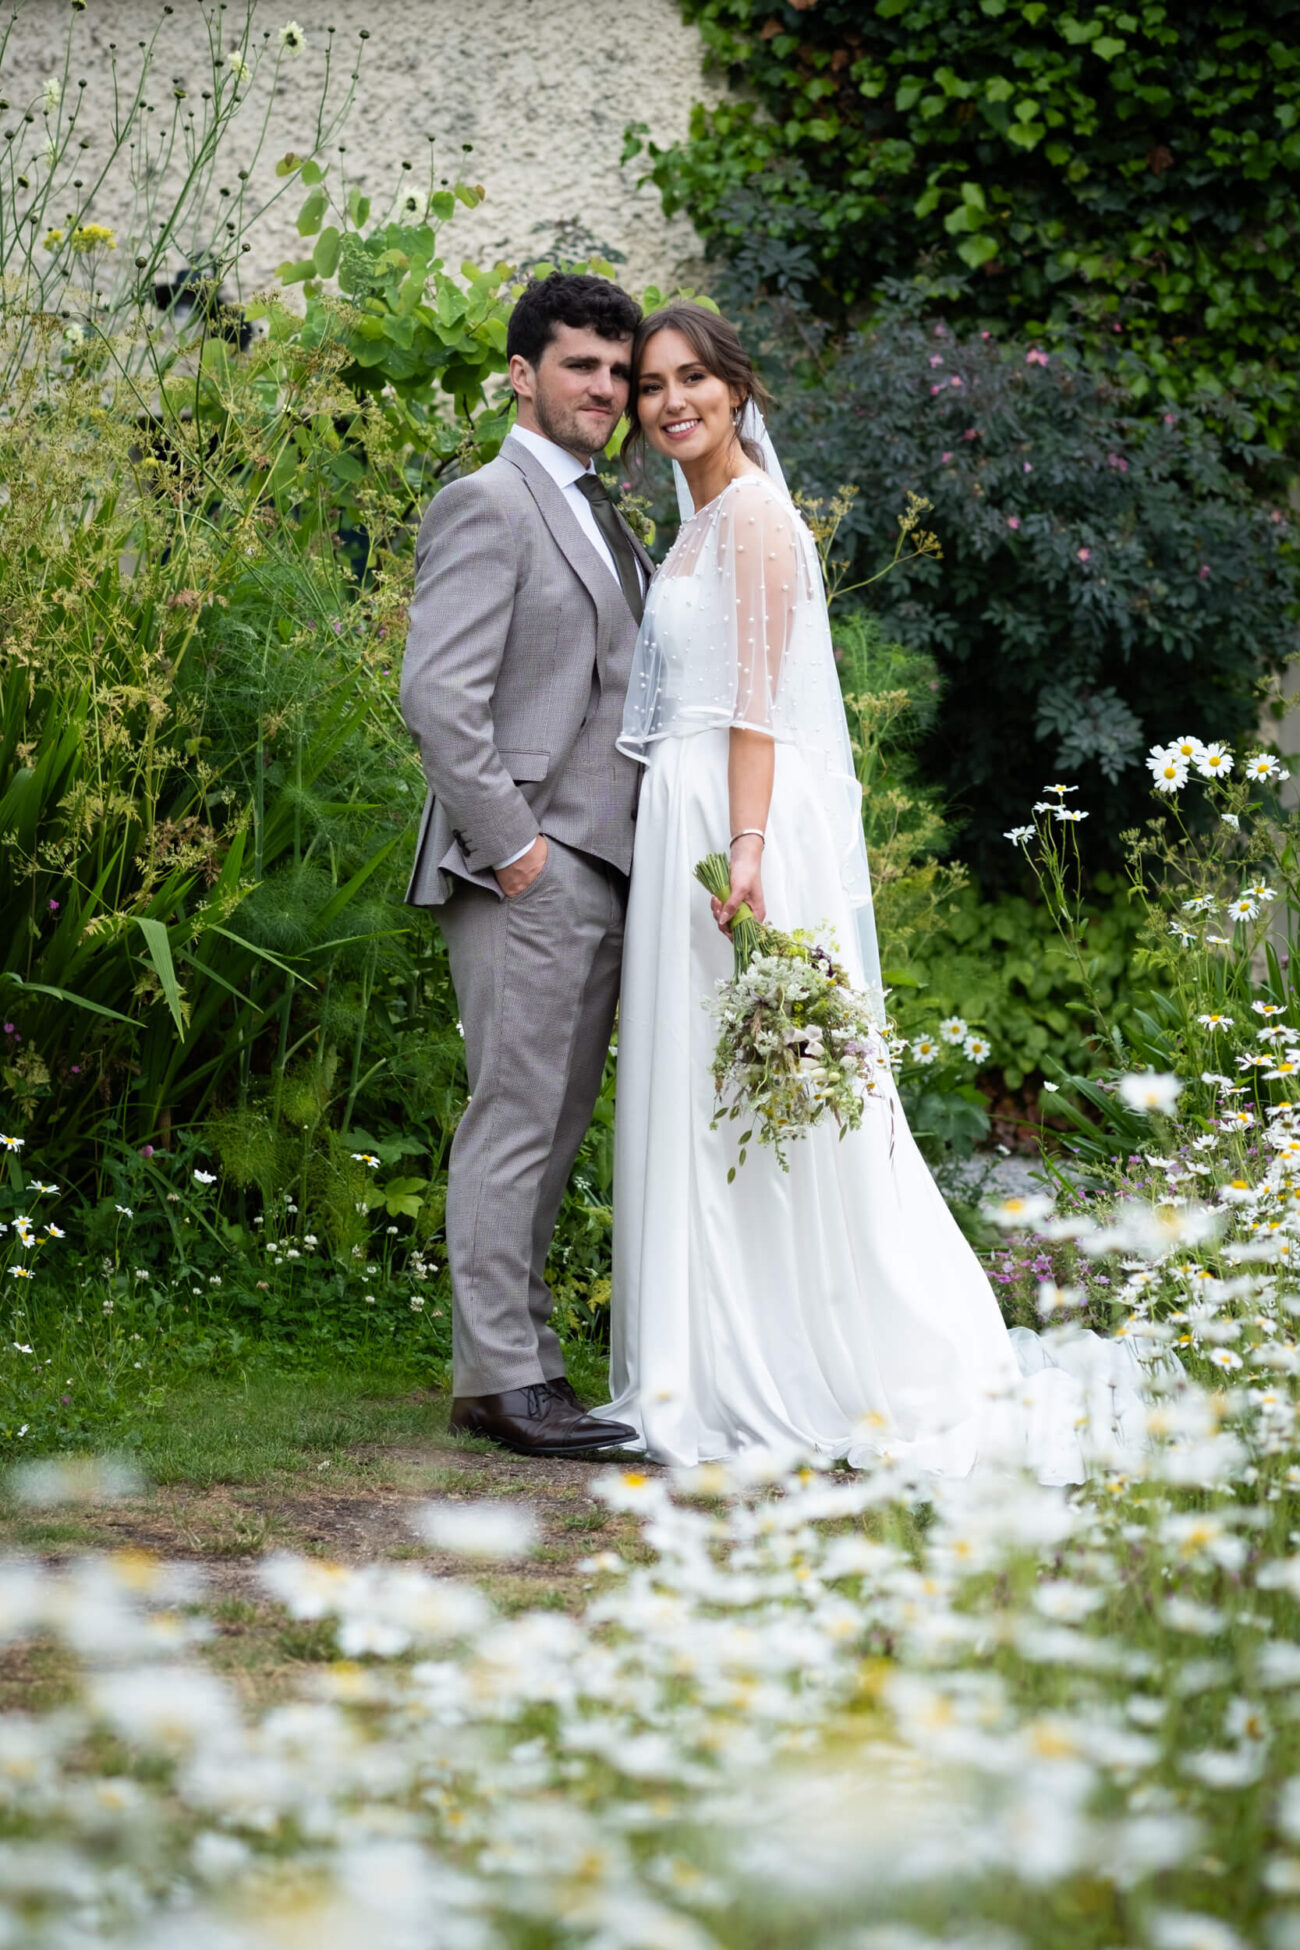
x=1085 y=554
x=971 y=433
x=1034 y=357
x=934 y=390
x=945 y=458
x=936 y=358
x=1029 y=467
x=955 y=380
x=1013 y=521
x=1205 y=570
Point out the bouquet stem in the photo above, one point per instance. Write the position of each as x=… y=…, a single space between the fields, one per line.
x=714 y=872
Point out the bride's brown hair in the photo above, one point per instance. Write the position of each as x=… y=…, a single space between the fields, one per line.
x=717 y=346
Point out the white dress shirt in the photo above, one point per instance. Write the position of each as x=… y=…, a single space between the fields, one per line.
x=564 y=470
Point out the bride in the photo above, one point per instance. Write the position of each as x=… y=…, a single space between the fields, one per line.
x=836 y=1307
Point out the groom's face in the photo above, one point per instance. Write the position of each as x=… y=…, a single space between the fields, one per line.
x=576 y=393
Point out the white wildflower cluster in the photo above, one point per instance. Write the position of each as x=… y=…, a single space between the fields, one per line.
x=1172 y=765
x=787 y=1703
x=953 y=1034
x=23 y=1238
x=796 y=1044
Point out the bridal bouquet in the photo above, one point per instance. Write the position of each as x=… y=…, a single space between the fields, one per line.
x=796 y=1044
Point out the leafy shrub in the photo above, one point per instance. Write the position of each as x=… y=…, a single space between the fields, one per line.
x=1104 y=575
x=1001 y=963
x=1131 y=169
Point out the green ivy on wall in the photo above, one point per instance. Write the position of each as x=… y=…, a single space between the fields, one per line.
x=1129 y=168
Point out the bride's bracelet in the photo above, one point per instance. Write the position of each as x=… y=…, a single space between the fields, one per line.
x=749 y=833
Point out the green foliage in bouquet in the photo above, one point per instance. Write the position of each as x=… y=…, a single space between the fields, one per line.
x=1028 y=168
x=796 y=1043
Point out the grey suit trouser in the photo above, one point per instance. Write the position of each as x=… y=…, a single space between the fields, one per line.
x=537 y=980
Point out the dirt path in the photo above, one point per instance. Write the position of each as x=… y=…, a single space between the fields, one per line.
x=359 y=1512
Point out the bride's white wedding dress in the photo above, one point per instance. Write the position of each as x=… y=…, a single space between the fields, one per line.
x=836 y=1308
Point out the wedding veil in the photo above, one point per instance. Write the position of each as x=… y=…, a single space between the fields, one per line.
x=812 y=718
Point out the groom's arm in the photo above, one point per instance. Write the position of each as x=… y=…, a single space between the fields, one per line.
x=466 y=564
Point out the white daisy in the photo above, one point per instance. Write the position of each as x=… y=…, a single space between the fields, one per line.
x=1215 y=762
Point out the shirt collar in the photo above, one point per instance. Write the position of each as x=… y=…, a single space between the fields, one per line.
x=563 y=469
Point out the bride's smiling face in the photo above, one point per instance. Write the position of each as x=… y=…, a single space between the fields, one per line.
x=684 y=409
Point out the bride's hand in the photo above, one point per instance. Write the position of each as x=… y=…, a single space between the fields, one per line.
x=746 y=883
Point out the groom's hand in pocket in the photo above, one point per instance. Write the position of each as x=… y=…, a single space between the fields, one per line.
x=521 y=873
x=746 y=884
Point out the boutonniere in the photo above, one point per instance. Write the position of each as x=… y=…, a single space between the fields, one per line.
x=635 y=510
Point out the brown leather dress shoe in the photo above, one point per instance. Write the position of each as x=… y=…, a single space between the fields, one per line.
x=536 y=1421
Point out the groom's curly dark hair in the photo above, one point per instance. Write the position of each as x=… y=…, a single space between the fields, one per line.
x=566 y=298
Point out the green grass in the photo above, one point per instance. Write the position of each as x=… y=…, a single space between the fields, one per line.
x=266 y=1423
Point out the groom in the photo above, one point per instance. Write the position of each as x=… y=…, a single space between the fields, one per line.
x=529 y=589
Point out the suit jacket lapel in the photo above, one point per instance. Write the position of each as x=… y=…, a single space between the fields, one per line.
x=611 y=605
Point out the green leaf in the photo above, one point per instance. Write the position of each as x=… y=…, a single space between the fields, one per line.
x=309 y=217
x=66 y=995
x=358 y=208
x=977 y=250
x=296 y=271
x=999 y=89
x=1108 y=48
x=400 y=1197
x=263 y=954
x=311 y=172
x=1026 y=134
x=160 y=954
x=325 y=257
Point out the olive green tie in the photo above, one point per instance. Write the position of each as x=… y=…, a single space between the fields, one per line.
x=620 y=542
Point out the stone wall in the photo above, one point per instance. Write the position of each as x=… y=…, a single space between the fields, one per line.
x=541 y=90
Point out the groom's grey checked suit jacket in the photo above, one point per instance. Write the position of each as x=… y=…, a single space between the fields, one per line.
x=516 y=667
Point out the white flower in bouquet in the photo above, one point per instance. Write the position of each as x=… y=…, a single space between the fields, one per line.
x=796 y=1044
x=954 y=1031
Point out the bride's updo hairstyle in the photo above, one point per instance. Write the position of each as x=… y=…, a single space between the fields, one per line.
x=717 y=346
